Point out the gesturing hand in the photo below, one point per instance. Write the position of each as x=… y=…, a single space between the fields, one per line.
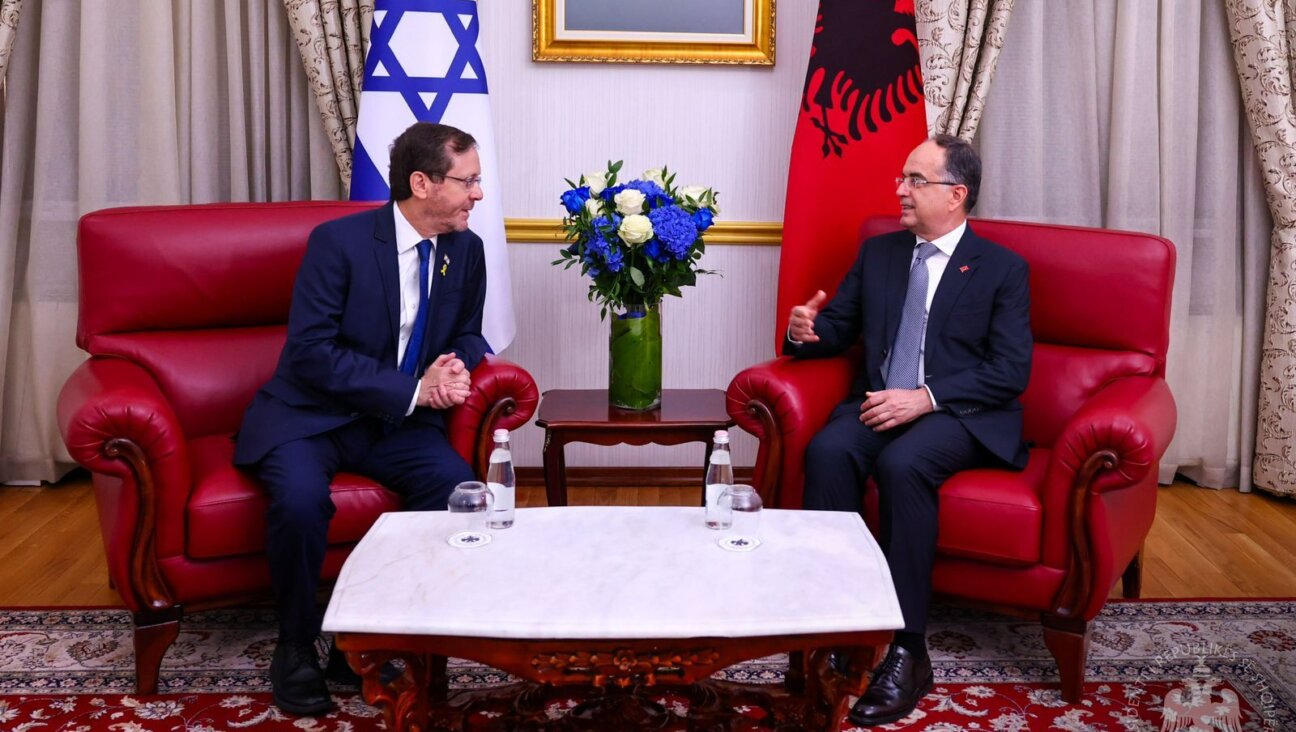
x=801 y=324
x=883 y=410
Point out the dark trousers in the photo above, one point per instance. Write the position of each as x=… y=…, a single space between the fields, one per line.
x=908 y=463
x=414 y=460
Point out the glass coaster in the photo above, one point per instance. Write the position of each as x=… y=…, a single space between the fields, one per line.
x=469 y=539
x=739 y=543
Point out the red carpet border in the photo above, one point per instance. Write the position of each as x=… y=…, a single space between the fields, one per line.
x=1226 y=665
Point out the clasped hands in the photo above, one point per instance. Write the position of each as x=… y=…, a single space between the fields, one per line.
x=880 y=410
x=446 y=383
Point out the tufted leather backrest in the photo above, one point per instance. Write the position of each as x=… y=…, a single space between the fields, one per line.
x=1100 y=310
x=197 y=295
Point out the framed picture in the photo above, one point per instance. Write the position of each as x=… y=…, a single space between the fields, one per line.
x=660 y=31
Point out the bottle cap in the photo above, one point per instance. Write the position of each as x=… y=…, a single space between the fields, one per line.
x=722 y=437
x=501 y=435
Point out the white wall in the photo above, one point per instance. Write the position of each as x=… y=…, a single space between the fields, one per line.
x=725 y=126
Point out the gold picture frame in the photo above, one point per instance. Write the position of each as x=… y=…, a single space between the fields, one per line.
x=553 y=40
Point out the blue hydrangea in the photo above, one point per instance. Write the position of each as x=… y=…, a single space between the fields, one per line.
x=675 y=228
x=603 y=223
x=597 y=246
x=703 y=218
x=614 y=261
x=575 y=198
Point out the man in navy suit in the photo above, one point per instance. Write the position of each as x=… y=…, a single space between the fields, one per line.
x=383 y=331
x=943 y=317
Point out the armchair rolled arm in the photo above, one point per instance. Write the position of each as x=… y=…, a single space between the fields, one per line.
x=503 y=396
x=1131 y=418
x=115 y=421
x=1109 y=454
x=783 y=403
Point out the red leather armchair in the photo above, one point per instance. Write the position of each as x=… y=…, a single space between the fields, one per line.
x=1049 y=542
x=183 y=311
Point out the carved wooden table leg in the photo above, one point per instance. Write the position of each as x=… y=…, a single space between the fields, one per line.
x=829 y=691
x=404 y=699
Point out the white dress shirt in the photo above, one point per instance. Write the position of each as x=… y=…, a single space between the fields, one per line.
x=407 y=260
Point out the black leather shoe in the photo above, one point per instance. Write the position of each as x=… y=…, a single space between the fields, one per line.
x=297 y=681
x=897 y=686
x=338 y=671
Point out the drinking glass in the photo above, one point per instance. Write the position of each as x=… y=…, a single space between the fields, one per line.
x=470 y=504
x=745 y=503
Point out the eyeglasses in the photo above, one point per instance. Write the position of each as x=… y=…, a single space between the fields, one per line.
x=468 y=182
x=917 y=181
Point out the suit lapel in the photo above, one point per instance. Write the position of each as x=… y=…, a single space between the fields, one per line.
x=388 y=267
x=958 y=273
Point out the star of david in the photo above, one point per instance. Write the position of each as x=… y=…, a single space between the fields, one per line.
x=410 y=87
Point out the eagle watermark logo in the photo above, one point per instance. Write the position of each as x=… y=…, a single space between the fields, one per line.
x=1202 y=701
x=1201 y=705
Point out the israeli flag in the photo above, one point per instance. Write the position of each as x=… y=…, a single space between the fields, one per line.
x=424 y=65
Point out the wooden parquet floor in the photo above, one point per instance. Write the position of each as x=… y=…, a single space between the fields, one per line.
x=1204 y=543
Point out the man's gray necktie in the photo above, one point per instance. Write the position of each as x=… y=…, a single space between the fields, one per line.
x=902 y=371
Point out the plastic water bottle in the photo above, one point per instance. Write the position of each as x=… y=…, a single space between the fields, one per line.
x=719 y=476
x=502 y=482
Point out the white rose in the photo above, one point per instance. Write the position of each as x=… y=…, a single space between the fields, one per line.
x=635 y=229
x=629 y=202
x=596 y=180
x=594 y=206
x=697 y=194
x=656 y=175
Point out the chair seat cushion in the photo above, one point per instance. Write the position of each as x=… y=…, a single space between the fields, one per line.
x=994 y=515
x=226 y=511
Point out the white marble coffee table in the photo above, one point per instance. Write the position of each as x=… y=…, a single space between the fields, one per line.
x=610 y=596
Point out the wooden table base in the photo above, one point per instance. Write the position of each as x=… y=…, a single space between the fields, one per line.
x=615 y=683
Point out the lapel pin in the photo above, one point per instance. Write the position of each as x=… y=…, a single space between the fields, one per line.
x=445 y=264
x=964 y=268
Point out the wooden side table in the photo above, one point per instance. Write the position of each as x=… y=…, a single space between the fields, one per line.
x=584 y=415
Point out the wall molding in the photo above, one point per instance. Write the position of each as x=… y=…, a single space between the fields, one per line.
x=751 y=233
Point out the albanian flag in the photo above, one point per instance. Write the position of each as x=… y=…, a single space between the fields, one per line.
x=861 y=114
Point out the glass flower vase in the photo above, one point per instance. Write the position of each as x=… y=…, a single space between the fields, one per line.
x=635 y=358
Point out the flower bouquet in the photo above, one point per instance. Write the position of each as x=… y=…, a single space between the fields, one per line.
x=637 y=241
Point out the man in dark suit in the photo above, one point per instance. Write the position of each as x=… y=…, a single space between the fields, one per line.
x=383 y=331
x=943 y=317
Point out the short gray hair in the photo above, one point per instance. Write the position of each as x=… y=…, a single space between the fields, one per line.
x=962 y=165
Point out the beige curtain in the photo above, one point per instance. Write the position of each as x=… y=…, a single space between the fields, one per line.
x=9 y=10
x=1126 y=114
x=332 y=36
x=960 y=42
x=121 y=103
x=1263 y=32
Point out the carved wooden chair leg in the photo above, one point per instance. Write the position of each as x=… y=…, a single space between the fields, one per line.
x=154 y=634
x=1132 y=580
x=1068 y=641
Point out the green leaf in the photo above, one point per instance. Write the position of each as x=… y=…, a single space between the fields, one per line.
x=637 y=276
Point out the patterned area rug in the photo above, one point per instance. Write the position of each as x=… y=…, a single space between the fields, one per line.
x=1224 y=665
